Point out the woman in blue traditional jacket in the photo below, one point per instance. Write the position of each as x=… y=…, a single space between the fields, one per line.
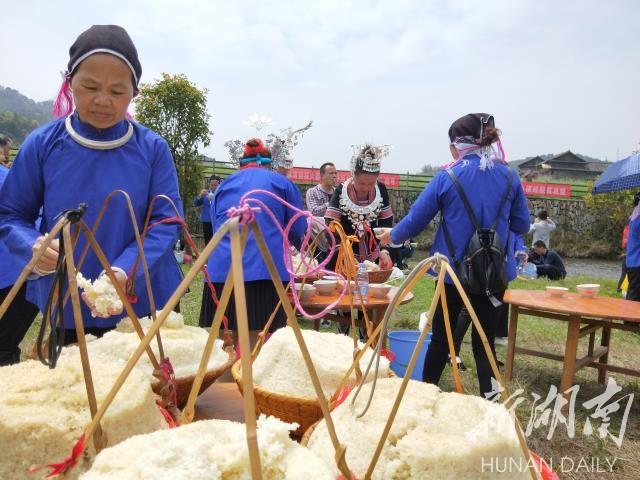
x=481 y=169
x=204 y=200
x=16 y=321
x=255 y=173
x=81 y=158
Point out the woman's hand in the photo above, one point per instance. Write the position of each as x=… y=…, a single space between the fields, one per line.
x=46 y=264
x=385 y=237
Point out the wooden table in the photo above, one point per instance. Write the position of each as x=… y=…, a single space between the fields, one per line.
x=375 y=307
x=584 y=316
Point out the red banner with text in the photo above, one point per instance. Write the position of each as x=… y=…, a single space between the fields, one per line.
x=560 y=190
x=312 y=175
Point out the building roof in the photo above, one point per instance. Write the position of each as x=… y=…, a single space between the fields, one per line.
x=566 y=161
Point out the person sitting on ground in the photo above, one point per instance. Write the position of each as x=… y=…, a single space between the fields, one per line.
x=548 y=263
x=542 y=228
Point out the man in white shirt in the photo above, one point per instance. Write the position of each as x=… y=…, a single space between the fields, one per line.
x=542 y=228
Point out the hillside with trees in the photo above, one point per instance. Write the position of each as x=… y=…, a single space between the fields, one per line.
x=19 y=114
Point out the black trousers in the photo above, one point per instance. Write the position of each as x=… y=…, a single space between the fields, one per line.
x=464 y=321
x=14 y=325
x=207 y=231
x=549 y=271
x=633 y=291
x=488 y=315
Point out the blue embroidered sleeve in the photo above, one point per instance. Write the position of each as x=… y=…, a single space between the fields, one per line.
x=421 y=213
x=20 y=201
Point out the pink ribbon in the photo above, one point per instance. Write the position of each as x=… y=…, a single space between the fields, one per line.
x=244 y=211
x=246 y=202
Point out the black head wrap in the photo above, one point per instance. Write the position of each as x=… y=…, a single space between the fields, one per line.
x=110 y=39
x=471 y=126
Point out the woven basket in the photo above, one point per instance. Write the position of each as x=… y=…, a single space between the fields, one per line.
x=304 y=411
x=183 y=384
x=380 y=276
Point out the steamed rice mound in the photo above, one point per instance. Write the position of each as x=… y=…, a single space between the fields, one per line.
x=209 y=450
x=280 y=367
x=435 y=435
x=182 y=343
x=43 y=412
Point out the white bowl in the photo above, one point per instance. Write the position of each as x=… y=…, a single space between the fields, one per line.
x=305 y=291
x=588 y=290
x=379 y=290
x=325 y=287
x=557 y=291
x=380 y=230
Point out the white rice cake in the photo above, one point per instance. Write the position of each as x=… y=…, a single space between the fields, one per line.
x=435 y=435
x=209 y=450
x=280 y=367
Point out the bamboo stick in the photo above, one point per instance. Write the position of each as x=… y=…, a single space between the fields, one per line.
x=102 y=258
x=535 y=474
x=245 y=359
x=153 y=329
x=26 y=271
x=452 y=349
x=293 y=322
x=189 y=410
x=124 y=298
x=99 y=438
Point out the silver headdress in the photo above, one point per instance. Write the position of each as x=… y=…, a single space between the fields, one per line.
x=236 y=150
x=257 y=121
x=281 y=146
x=367 y=157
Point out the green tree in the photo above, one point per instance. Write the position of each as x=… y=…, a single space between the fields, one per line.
x=16 y=126
x=610 y=213
x=177 y=110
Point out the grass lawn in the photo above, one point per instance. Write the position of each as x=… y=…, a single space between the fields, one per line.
x=575 y=456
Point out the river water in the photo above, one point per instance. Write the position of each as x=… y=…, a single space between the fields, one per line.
x=593 y=268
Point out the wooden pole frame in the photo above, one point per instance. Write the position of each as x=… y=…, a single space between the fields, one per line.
x=441 y=264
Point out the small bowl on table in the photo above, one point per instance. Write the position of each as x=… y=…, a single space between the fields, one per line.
x=333 y=278
x=588 y=290
x=557 y=291
x=325 y=287
x=379 y=290
x=379 y=231
x=305 y=291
